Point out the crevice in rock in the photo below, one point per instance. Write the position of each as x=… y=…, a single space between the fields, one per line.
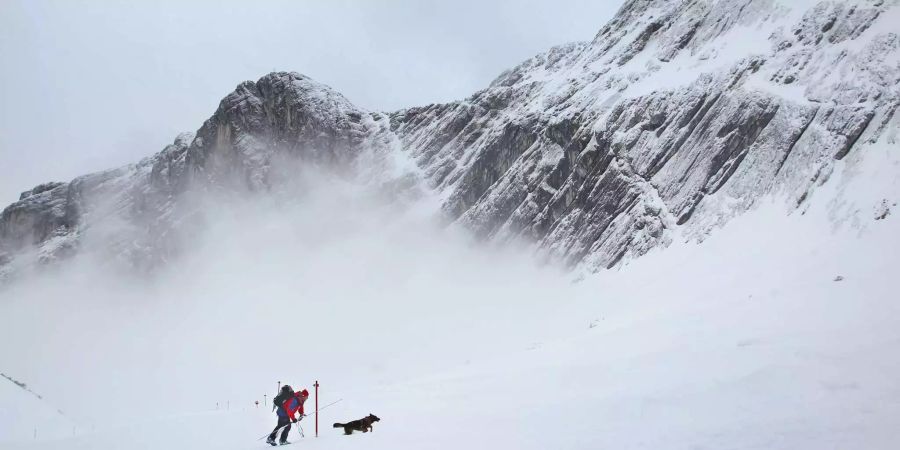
x=793 y=144
x=854 y=137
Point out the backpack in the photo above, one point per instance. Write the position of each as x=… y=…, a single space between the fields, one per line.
x=280 y=398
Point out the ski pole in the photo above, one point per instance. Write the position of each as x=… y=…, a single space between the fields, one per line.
x=310 y=414
x=282 y=427
x=313 y=413
x=274 y=432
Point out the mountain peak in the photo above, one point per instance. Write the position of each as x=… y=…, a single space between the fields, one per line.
x=677 y=117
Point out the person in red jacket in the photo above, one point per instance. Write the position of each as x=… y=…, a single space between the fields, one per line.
x=289 y=403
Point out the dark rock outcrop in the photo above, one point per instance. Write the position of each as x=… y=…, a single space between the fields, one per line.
x=598 y=151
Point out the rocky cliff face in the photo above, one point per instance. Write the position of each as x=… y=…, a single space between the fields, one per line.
x=677 y=116
x=136 y=211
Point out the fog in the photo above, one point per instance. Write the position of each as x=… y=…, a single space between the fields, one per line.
x=327 y=277
x=778 y=330
x=323 y=277
x=337 y=276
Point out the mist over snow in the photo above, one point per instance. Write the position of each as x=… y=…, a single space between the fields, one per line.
x=747 y=340
x=326 y=279
x=682 y=234
x=778 y=331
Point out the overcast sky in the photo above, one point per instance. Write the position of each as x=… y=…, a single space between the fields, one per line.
x=89 y=85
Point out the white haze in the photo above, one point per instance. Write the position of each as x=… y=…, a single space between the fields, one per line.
x=323 y=279
x=777 y=332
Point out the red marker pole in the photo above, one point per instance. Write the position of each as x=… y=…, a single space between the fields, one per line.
x=317 y=407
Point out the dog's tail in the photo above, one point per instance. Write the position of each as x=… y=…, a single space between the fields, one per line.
x=338 y=425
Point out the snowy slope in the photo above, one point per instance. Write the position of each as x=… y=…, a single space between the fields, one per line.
x=25 y=417
x=746 y=150
x=752 y=339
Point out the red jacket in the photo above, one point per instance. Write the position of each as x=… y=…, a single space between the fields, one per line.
x=292 y=405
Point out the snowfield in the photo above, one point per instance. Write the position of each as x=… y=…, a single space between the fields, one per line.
x=778 y=331
x=726 y=211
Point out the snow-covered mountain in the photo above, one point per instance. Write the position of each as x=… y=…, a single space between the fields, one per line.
x=754 y=339
x=676 y=117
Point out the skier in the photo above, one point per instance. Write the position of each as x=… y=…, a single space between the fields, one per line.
x=288 y=403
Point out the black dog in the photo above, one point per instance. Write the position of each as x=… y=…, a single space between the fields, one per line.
x=364 y=424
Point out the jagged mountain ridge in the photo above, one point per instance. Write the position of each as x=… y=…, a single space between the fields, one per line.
x=674 y=118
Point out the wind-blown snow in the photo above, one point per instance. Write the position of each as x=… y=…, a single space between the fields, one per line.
x=777 y=332
x=296 y=237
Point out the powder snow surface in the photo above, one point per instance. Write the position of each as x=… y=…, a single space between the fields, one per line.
x=778 y=332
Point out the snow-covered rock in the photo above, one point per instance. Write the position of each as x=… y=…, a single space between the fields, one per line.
x=676 y=117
